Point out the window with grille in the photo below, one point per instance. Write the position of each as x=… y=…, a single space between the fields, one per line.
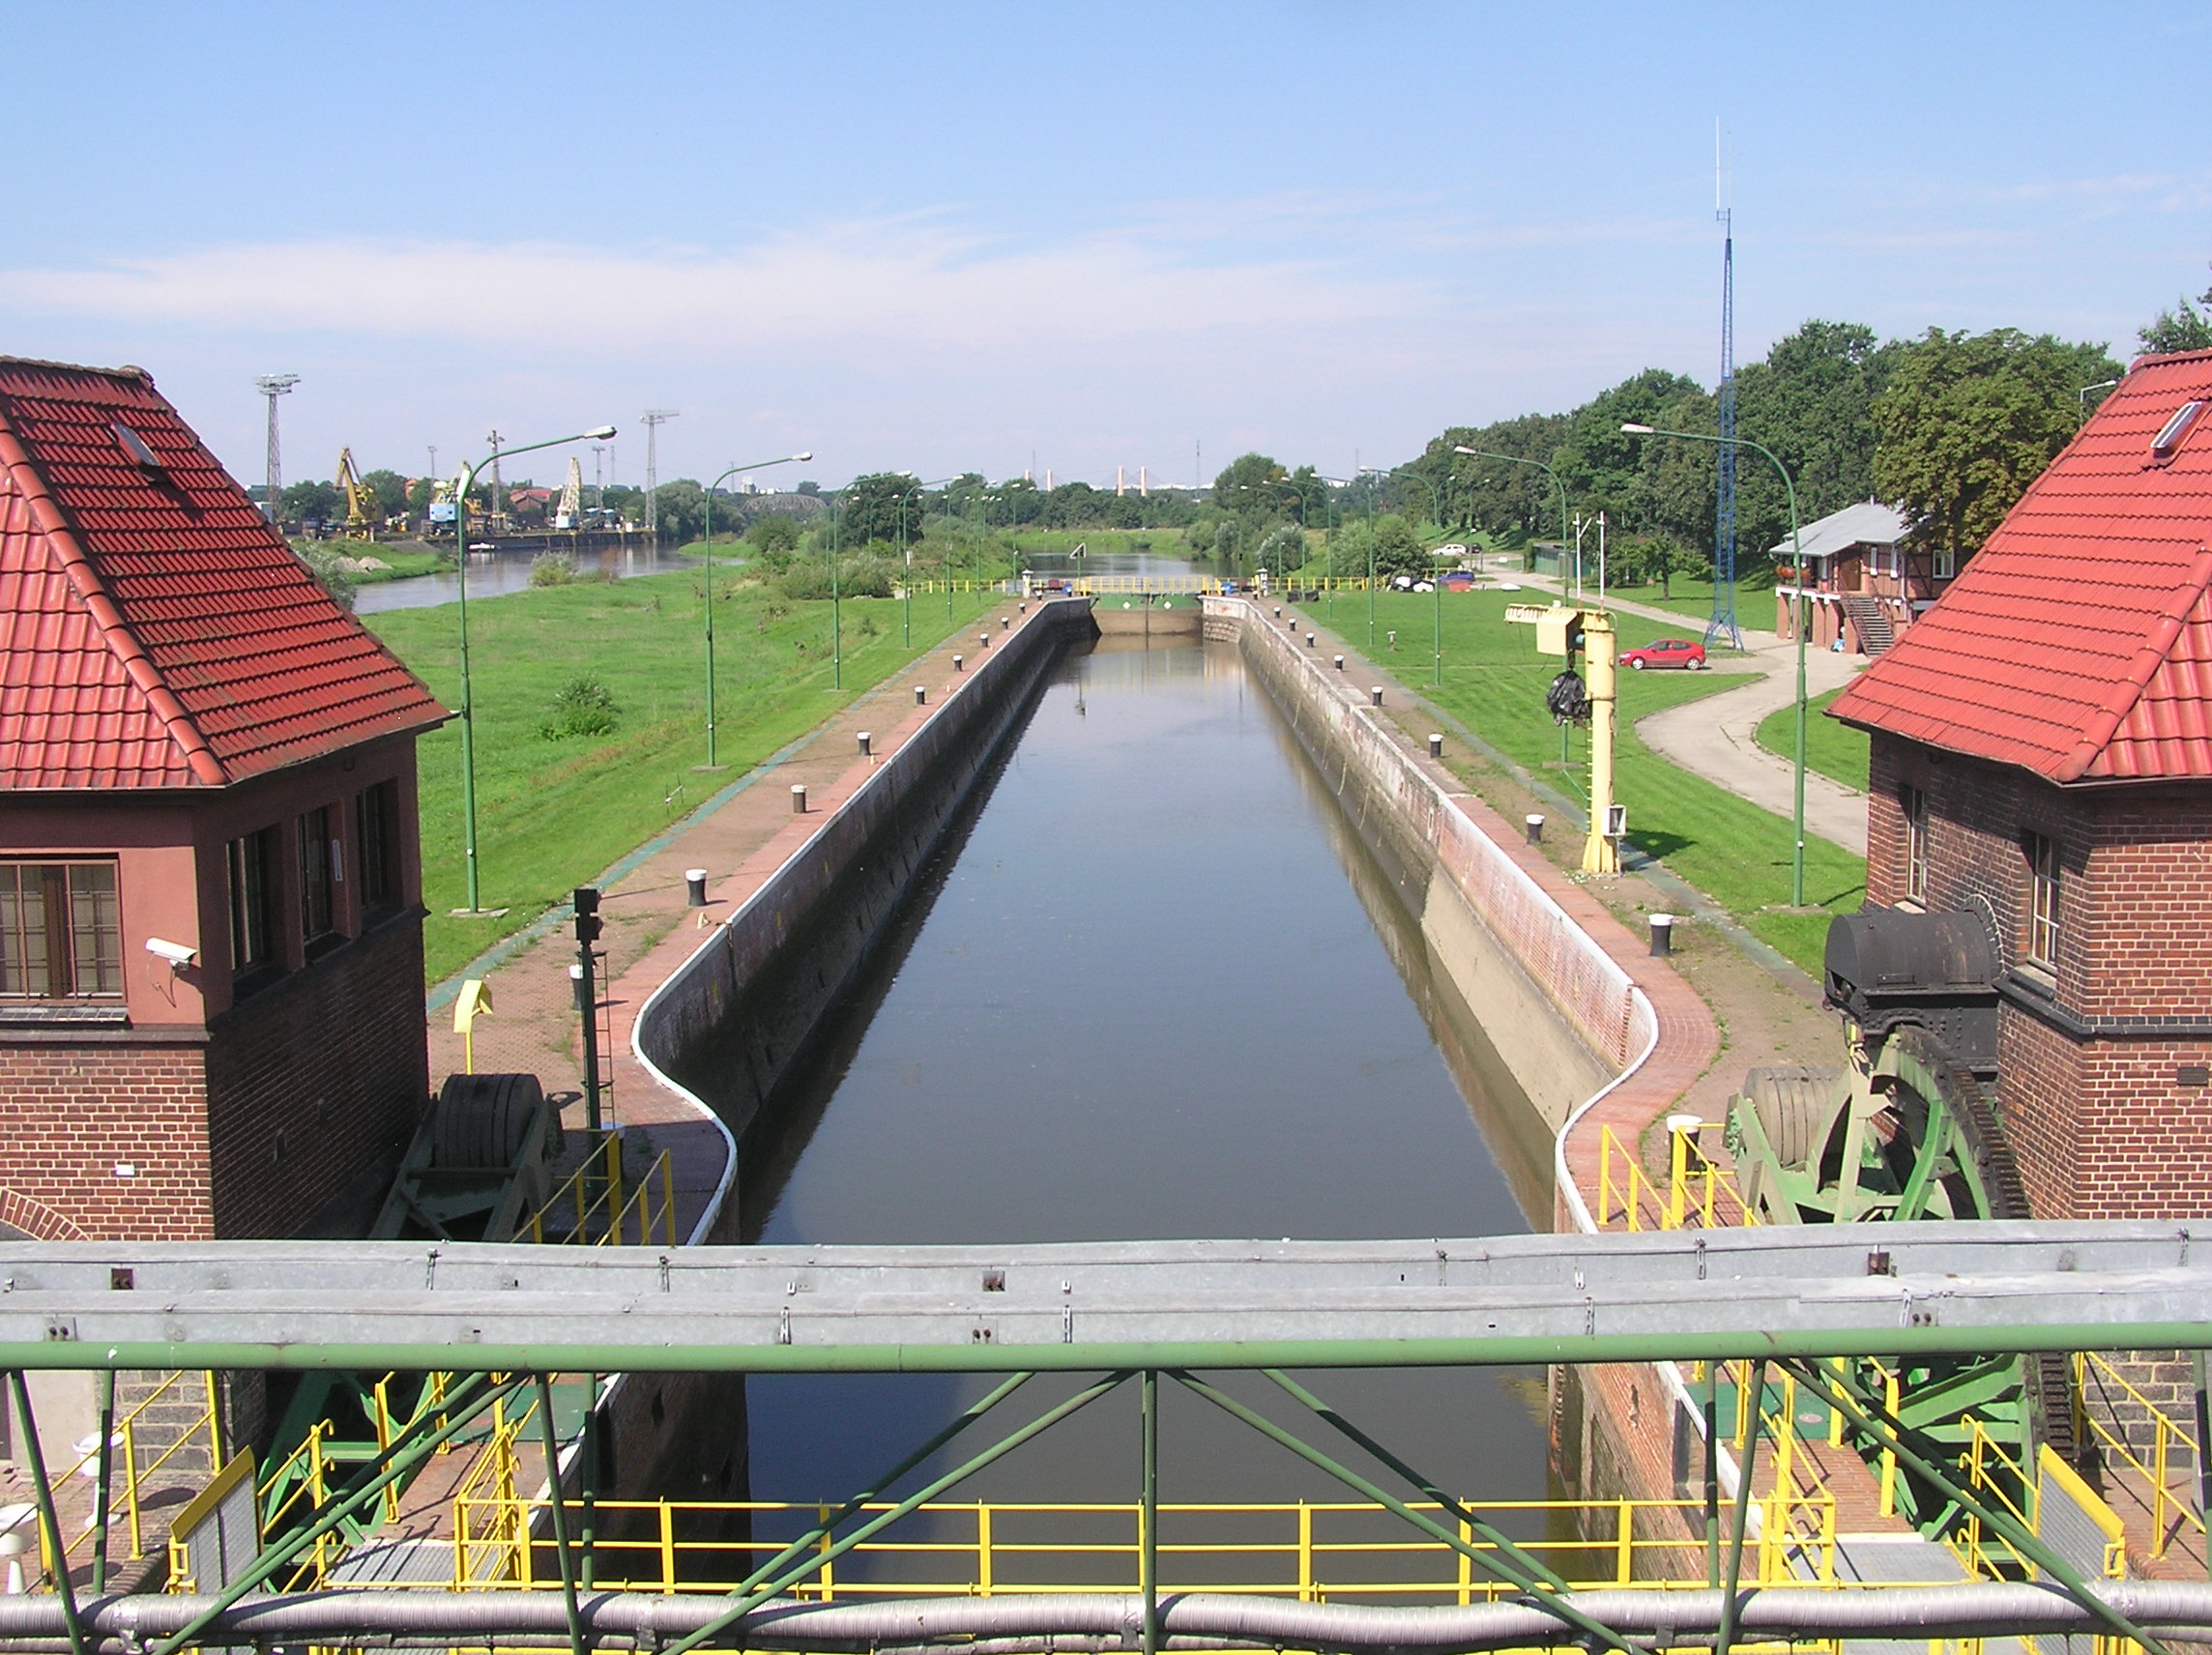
x=252 y=867
x=61 y=931
x=318 y=896
x=376 y=841
x=1916 y=806
x=2043 y=900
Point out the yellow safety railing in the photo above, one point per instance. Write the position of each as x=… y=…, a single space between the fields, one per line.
x=137 y=1471
x=1698 y=1194
x=2092 y=1371
x=307 y=1471
x=602 y=1212
x=1319 y=1552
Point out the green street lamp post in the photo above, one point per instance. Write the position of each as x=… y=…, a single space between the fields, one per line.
x=1799 y=620
x=906 y=588
x=763 y=465
x=465 y=480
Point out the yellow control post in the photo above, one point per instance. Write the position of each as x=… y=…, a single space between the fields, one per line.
x=1601 y=851
x=1563 y=631
x=475 y=1000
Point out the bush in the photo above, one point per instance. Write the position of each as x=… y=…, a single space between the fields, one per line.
x=332 y=568
x=584 y=706
x=552 y=569
x=856 y=577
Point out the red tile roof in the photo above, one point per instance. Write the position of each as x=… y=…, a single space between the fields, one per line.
x=2078 y=642
x=155 y=632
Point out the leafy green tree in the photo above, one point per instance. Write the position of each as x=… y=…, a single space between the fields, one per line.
x=1283 y=549
x=1243 y=476
x=1968 y=420
x=1015 y=502
x=419 y=493
x=1398 y=550
x=312 y=500
x=877 y=506
x=1812 y=402
x=773 y=533
x=2184 y=328
x=391 y=490
x=1602 y=468
x=679 y=509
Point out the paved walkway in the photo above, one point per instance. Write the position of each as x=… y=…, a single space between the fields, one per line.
x=1717 y=738
x=650 y=930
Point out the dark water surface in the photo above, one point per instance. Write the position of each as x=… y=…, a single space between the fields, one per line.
x=1154 y=987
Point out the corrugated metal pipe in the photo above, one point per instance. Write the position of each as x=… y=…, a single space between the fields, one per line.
x=1194 y=1620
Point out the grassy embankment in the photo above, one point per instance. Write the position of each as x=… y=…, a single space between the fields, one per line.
x=552 y=812
x=1729 y=848
x=403 y=561
x=1836 y=750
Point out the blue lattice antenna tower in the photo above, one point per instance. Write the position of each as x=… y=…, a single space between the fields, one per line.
x=1723 y=624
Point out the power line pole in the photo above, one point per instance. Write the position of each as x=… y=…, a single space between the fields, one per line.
x=494 y=519
x=272 y=386
x=1722 y=627
x=654 y=418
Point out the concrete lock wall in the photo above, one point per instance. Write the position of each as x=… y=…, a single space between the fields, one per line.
x=1563 y=1015
x=740 y=1014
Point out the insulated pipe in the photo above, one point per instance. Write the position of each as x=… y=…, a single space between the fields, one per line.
x=1190 y=1620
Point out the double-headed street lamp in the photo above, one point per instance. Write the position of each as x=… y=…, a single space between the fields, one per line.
x=1798 y=615
x=463 y=480
x=763 y=465
x=906 y=579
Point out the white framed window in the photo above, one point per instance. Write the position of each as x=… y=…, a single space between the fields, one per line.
x=1914 y=804
x=2043 y=900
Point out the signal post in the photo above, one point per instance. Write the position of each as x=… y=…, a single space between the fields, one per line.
x=1565 y=634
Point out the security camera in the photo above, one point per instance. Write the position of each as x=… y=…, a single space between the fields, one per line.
x=177 y=954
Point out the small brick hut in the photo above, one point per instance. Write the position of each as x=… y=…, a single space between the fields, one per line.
x=211 y=954
x=2041 y=756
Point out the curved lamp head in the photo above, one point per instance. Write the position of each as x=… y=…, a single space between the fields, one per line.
x=803 y=455
x=1634 y=430
x=600 y=433
x=1462 y=449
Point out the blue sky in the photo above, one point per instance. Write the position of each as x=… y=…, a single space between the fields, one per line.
x=954 y=237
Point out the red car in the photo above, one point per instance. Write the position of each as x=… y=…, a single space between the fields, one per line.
x=1665 y=652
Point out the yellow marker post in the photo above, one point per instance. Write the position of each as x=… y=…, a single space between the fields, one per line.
x=474 y=1002
x=1562 y=631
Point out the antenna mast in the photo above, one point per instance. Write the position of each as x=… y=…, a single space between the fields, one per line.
x=272 y=386
x=1723 y=624
x=654 y=418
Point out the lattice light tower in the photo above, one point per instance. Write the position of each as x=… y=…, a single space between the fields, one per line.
x=272 y=386
x=1723 y=624
x=654 y=418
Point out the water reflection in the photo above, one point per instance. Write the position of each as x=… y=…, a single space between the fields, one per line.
x=494 y=574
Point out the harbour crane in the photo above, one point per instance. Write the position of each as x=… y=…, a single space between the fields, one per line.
x=361 y=513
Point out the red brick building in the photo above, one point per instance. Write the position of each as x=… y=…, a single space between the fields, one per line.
x=2041 y=756
x=1865 y=583
x=210 y=961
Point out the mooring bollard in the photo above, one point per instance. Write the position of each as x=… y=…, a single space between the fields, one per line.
x=920 y=696
x=1278 y=611
x=695 y=887
x=1534 y=826
x=959 y=663
x=1662 y=933
x=1309 y=640
x=983 y=639
x=799 y=799
x=868 y=744
x=1376 y=690
x=1003 y=622
x=1436 y=745
x=1340 y=664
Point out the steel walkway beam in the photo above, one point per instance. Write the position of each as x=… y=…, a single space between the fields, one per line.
x=1828 y=1290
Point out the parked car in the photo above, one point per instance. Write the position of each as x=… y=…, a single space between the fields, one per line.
x=1665 y=652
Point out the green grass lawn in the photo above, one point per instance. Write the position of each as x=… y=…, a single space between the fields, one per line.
x=1494 y=682
x=1836 y=750
x=552 y=813
x=403 y=560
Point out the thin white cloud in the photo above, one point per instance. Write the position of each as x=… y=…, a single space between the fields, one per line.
x=860 y=287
